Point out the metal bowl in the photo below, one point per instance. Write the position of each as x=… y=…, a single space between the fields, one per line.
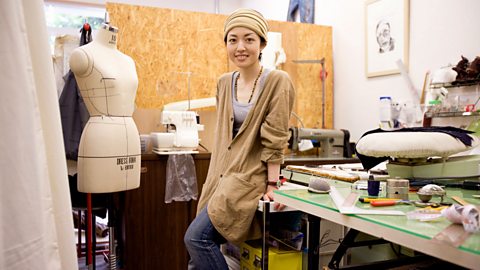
x=426 y=193
x=424 y=197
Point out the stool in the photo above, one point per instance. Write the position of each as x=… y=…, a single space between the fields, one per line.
x=92 y=247
x=90 y=203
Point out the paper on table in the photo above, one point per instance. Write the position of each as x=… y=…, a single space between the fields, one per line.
x=345 y=206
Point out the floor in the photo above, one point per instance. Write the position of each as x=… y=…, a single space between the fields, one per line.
x=100 y=263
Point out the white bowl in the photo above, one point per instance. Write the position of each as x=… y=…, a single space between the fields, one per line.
x=162 y=140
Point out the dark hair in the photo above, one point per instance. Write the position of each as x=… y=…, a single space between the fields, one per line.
x=262 y=41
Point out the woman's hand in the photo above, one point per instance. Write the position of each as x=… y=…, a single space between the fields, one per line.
x=268 y=196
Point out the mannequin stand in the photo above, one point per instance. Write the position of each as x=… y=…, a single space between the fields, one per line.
x=112 y=256
x=89 y=234
x=92 y=205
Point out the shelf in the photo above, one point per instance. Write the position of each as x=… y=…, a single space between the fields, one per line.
x=452 y=114
x=454 y=84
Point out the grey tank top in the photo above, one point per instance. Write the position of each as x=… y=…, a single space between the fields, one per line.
x=240 y=110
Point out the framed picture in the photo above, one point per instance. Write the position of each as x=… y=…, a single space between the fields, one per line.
x=386 y=36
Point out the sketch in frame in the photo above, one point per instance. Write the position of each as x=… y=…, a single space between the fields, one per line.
x=386 y=36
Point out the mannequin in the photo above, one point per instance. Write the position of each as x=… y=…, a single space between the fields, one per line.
x=109 y=152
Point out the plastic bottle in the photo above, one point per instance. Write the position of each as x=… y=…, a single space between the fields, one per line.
x=385 y=112
x=385 y=109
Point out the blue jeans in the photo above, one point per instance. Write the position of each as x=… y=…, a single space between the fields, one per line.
x=203 y=244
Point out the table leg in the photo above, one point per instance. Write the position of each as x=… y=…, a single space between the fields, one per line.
x=265 y=234
x=313 y=238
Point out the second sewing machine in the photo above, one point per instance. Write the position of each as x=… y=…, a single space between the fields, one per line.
x=331 y=143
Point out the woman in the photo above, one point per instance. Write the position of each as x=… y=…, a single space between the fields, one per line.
x=253 y=111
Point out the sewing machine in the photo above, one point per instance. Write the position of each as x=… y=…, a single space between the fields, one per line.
x=333 y=143
x=184 y=126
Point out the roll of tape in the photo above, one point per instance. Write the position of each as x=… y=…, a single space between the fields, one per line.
x=468 y=216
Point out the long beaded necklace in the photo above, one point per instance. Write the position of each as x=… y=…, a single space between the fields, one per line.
x=254 y=85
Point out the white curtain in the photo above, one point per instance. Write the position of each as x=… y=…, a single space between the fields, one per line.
x=36 y=227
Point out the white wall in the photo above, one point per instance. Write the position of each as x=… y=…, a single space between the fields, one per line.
x=209 y=6
x=440 y=31
x=272 y=10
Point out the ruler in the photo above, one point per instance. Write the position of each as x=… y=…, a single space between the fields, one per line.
x=459 y=200
x=351 y=200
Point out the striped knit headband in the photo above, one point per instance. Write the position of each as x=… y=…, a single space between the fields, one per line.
x=247 y=18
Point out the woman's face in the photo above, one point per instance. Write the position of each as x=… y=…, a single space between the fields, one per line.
x=243 y=47
x=383 y=35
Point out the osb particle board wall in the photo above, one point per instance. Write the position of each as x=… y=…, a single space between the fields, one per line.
x=168 y=44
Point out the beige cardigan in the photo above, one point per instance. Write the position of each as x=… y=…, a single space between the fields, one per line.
x=237 y=174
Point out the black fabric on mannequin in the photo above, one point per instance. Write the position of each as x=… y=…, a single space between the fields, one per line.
x=74 y=115
x=73 y=111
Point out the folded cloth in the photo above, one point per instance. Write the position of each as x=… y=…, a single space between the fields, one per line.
x=370 y=161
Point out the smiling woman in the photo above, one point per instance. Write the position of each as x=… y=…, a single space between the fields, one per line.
x=244 y=50
x=253 y=110
x=246 y=37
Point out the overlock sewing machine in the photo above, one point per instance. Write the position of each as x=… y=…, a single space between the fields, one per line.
x=184 y=126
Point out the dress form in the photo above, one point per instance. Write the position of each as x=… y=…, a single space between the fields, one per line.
x=109 y=152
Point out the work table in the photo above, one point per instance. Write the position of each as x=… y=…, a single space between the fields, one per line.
x=152 y=230
x=413 y=234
